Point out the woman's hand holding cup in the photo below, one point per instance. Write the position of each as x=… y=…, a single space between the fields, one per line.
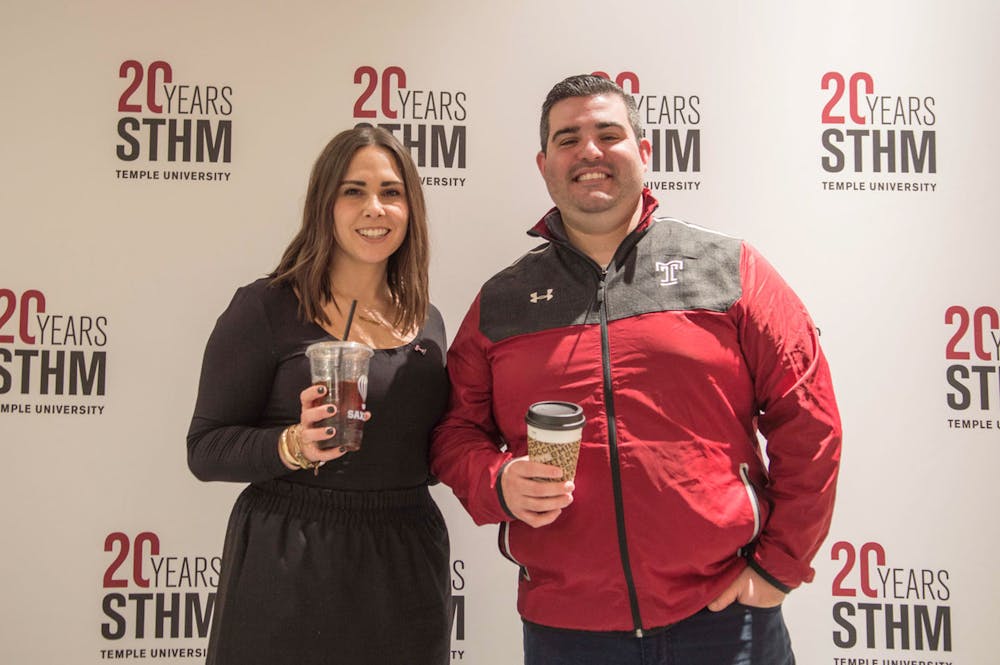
x=312 y=431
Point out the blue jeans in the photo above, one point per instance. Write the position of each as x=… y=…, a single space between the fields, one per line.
x=738 y=635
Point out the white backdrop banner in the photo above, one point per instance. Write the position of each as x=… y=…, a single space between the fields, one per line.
x=156 y=156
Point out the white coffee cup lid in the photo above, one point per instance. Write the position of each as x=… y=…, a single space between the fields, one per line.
x=555 y=415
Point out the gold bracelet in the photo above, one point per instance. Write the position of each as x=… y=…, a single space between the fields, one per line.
x=300 y=459
x=283 y=452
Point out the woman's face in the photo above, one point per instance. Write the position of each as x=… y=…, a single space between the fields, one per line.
x=371 y=212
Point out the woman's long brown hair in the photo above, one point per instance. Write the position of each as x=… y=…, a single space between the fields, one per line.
x=306 y=261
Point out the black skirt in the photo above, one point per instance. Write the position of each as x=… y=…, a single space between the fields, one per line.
x=322 y=576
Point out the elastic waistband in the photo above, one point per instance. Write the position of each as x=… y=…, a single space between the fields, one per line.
x=295 y=498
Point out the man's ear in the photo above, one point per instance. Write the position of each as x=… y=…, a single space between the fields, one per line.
x=645 y=151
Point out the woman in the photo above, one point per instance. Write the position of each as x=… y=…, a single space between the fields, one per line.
x=331 y=556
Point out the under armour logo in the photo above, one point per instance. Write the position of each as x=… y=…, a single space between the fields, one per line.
x=419 y=349
x=546 y=296
x=670 y=270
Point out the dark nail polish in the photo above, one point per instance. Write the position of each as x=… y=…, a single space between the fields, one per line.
x=329 y=431
x=343 y=449
x=322 y=389
x=330 y=409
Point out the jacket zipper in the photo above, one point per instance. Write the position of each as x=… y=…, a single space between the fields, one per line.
x=609 y=405
x=752 y=495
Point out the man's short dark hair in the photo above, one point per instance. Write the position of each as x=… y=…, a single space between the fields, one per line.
x=587 y=85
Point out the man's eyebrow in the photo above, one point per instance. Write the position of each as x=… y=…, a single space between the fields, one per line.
x=606 y=125
x=576 y=129
x=564 y=130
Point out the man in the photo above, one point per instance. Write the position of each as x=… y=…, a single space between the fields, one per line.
x=676 y=543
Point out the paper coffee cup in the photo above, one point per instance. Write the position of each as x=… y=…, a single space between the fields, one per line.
x=342 y=368
x=554 y=433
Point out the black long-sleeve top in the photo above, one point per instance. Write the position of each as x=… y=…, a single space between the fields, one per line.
x=253 y=371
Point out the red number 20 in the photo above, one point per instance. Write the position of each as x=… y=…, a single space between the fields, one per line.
x=624 y=77
x=853 y=96
x=146 y=538
x=370 y=73
x=157 y=73
x=7 y=312
x=867 y=550
x=979 y=320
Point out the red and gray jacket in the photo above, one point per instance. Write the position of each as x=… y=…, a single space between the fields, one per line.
x=679 y=352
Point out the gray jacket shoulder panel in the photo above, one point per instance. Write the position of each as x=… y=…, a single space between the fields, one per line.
x=673 y=266
x=678 y=267
x=549 y=287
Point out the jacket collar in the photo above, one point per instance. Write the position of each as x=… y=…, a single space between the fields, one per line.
x=550 y=226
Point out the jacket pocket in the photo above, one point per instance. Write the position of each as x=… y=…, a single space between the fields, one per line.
x=752 y=497
x=503 y=543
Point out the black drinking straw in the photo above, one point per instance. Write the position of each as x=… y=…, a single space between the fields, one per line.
x=350 y=318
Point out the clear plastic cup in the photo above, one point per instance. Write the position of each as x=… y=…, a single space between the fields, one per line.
x=342 y=368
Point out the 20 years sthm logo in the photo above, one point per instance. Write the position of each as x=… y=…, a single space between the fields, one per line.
x=152 y=598
x=672 y=123
x=875 y=142
x=885 y=614
x=50 y=363
x=973 y=372
x=428 y=122
x=169 y=130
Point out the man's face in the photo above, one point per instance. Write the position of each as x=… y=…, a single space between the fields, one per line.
x=593 y=164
